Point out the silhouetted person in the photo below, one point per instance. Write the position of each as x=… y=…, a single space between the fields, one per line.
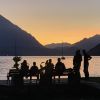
x=44 y=73
x=24 y=69
x=87 y=57
x=49 y=71
x=49 y=67
x=77 y=63
x=42 y=68
x=59 y=68
x=34 y=71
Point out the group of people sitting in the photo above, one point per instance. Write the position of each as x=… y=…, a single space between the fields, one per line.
x=46 y=72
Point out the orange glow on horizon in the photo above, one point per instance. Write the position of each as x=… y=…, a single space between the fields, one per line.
x=53 y=21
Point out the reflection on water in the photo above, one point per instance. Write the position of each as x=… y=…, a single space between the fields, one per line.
x=6 y=63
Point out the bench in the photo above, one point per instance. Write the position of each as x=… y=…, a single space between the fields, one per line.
x=65 y=73
x=34 y=75
x=11 y=74
x=15 y=72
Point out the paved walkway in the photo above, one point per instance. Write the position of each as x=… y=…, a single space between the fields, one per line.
x=27 y=81
x=63 y=81
x=92 y=84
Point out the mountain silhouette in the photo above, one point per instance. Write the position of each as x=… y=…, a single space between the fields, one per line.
x=95 y=51
x=15 y=41
x=57 y=45
x=69 y=49
x=88 y=43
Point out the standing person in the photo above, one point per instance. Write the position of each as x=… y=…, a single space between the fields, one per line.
x=43 y=78
x=77 y=63
x=49 y=71
x=87 y=57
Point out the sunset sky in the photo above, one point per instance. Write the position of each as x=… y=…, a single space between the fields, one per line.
x=52 y=21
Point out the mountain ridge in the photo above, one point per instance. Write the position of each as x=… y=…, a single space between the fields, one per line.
x=16 y=41
x=88 y=43
x=95 y=51
x=85 y=43
x=25 y=42
x=57 y=45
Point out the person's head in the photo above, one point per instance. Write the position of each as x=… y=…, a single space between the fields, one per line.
x=24 y=62
x=77 y=52
x=50 y=60
x=34 y=63
x=46 y=62
x=84 y=51
x=59 y=59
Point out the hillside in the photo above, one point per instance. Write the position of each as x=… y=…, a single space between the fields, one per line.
x=95 y=51
x=57 y=45
x=15 y=41
x=88 y=43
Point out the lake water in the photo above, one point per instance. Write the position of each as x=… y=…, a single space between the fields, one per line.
x=6 y=63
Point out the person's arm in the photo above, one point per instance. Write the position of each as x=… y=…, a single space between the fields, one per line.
x=89 y=57
x=53 y=66
x=81 y=58
x=64 y=66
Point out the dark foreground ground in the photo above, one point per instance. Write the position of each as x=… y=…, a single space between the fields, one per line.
x=83 y=91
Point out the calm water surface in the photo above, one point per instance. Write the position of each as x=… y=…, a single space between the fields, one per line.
x=6 y=63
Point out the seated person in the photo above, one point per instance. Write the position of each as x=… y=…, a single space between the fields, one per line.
x=33 y=70
x=24 y=69
x=59 y=67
